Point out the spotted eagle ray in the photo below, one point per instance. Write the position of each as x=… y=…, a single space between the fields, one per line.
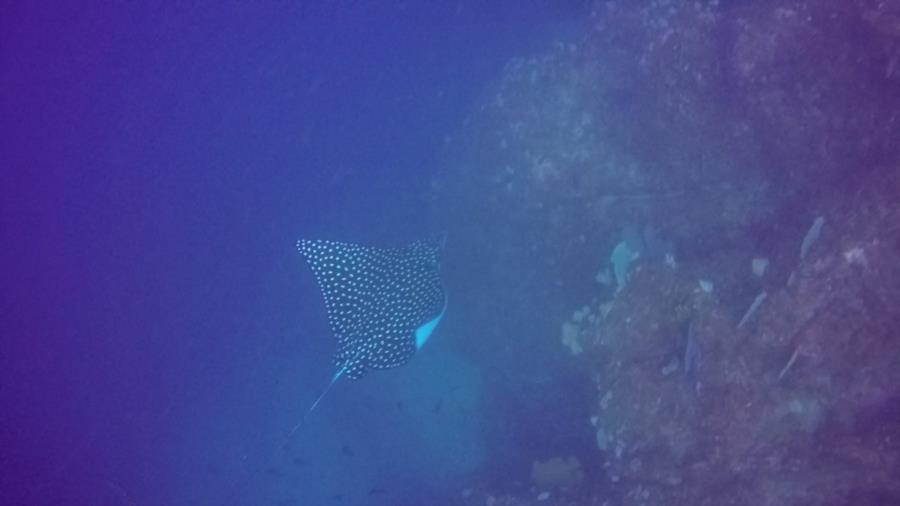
x=382 y=304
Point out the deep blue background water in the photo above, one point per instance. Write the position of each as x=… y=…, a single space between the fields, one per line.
x=160 y=334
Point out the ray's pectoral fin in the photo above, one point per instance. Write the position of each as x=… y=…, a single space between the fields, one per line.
x=425 y=330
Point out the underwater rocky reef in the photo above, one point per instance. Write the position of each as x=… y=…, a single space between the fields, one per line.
x=754 y=358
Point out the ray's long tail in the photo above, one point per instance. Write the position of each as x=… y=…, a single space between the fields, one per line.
x=316 y=403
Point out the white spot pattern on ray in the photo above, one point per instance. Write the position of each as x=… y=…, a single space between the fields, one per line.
x=376 y=298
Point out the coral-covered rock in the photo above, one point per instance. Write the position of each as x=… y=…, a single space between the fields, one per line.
x=803 y=408
x=730 y=126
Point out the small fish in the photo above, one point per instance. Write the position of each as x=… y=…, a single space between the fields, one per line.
x=437 y=407
x=299 y=462
x=347 y=451
x=377 y=491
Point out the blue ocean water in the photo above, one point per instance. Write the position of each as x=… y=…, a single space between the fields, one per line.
x=161 y=333
x=670 y=259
